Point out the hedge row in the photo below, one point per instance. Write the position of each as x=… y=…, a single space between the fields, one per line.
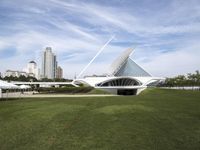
x=69 y=90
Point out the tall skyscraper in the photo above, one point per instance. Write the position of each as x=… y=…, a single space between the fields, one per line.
x=49 y=64
x=59 y=73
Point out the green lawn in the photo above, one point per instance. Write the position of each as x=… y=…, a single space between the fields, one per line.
x=156 y=119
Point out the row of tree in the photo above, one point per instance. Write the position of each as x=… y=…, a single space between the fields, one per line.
x=191 y=79
x=20 y=78
x=32 y=79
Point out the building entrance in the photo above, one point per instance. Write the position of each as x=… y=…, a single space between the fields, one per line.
x=127 y=92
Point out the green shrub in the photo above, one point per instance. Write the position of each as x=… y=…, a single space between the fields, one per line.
x=68 y=90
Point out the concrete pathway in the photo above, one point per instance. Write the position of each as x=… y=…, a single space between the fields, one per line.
x=63 y=95
x=31 y=95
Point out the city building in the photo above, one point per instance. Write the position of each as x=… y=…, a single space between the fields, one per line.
x=49 y=64
x=125 y=77
x=32 y=69
x=59 y=73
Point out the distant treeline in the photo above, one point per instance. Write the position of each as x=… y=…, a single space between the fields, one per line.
x=32 y=79
x=191 y=79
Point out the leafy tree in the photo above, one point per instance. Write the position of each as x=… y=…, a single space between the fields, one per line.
x=20 y=78
x=181 y=80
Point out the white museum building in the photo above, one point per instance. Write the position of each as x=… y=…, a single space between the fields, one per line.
x=125 y=77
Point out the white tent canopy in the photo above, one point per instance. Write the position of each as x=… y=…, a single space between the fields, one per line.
x=24 y=87
x=3 y=85
x=6 y=85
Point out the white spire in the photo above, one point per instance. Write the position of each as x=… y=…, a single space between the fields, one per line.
x=102 y=48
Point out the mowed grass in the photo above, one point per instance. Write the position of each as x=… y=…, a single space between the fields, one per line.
x=156 y=119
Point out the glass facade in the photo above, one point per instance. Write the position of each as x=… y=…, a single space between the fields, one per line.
x=130 y=68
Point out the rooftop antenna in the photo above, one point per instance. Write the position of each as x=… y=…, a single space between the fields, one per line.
x=102 y=48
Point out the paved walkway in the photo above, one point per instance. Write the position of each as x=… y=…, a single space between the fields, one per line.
x=18 y=94
x=63 y=95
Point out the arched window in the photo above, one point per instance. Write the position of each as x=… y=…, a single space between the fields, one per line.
x=119 y=82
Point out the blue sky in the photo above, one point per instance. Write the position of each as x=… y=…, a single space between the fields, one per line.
x=164 y=33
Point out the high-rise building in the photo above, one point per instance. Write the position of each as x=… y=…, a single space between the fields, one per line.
x=32 y=69
x=59 y=73
x=49 y=64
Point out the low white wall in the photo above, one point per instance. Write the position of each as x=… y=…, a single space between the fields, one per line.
x=114 y=90
x=140 y=90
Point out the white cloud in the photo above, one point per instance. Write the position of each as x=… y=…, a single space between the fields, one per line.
x=182 y=61
x=78 y=29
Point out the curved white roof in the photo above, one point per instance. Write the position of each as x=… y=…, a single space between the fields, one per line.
x=92 y=81
x=116 y=65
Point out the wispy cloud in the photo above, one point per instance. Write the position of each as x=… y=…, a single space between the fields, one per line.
x=162 y=32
